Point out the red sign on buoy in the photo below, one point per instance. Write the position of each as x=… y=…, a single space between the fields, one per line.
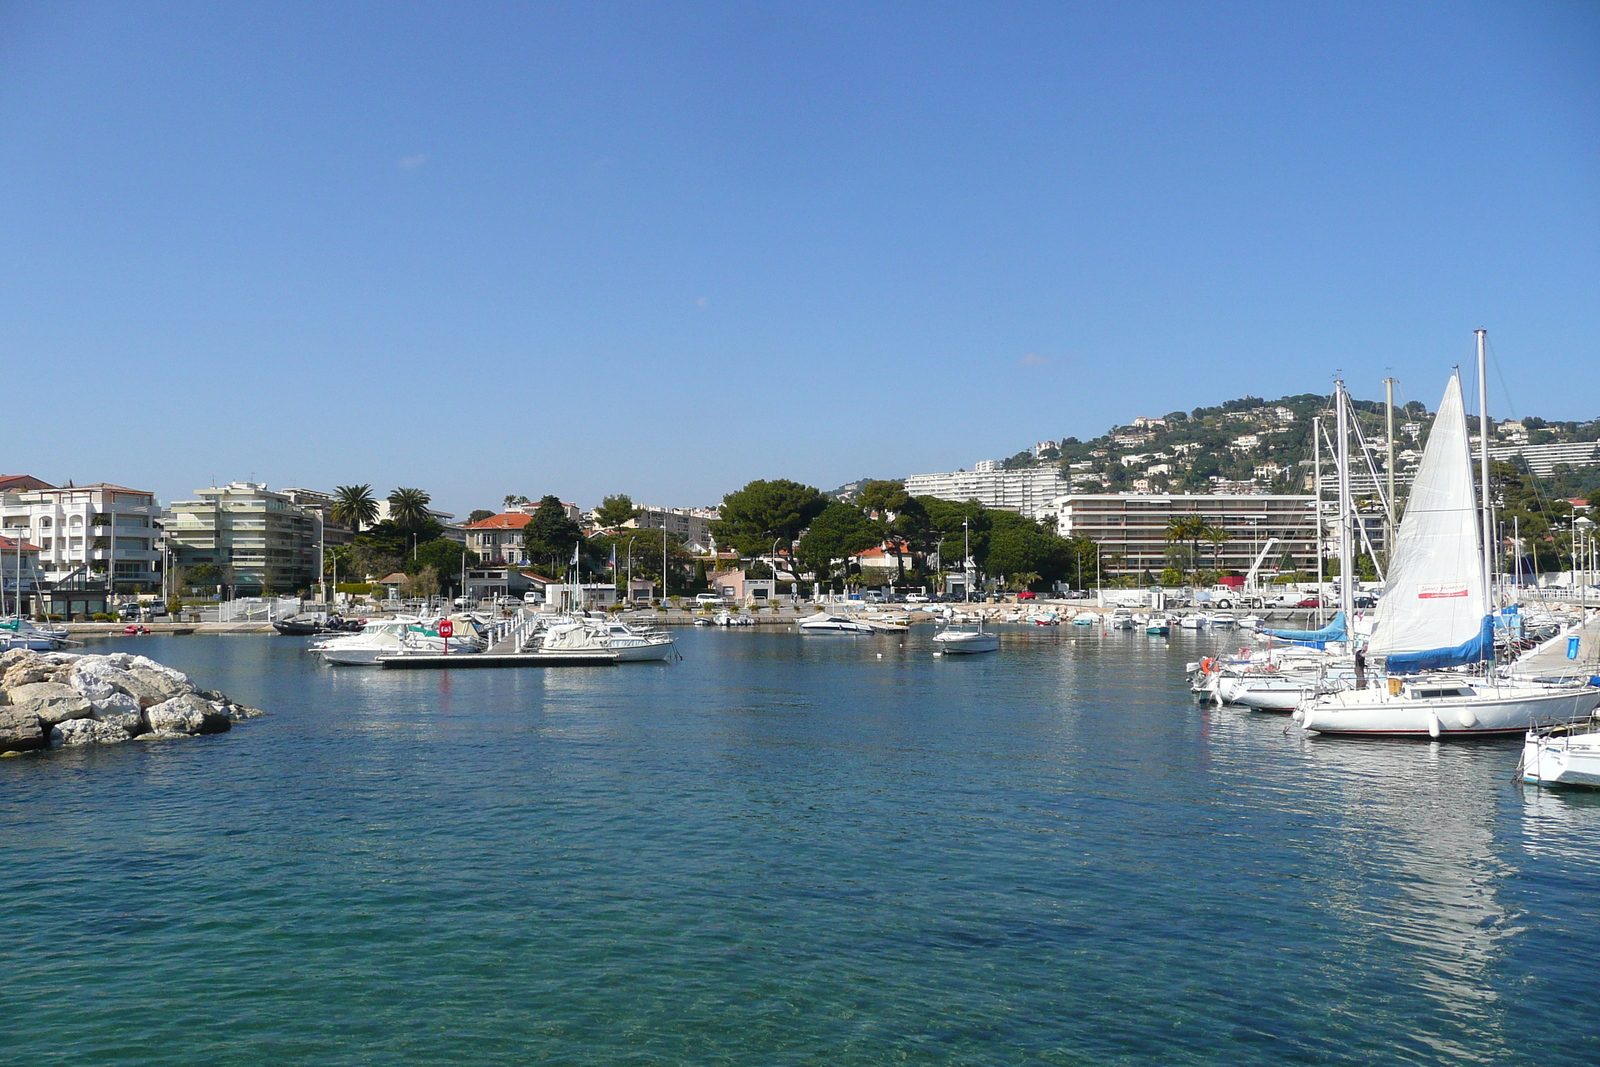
x=446 y=628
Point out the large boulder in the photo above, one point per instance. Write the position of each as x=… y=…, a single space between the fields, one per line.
x=86 y=732
x=95 y=678
x=20 y=731
x=51 y=702
x=26 y=671
x=187 y=714
x=176 y=676
x=122 y=710
x=160 y=683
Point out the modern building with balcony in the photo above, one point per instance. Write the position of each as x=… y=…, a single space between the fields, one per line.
x=1031 y=491
x=260 y=541
x=84 y=532
x=1131 y=529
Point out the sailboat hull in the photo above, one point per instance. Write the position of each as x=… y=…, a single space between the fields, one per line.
x=1491 y=711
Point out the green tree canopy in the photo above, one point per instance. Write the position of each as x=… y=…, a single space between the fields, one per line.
x=615 y=510
x=408 y=509
x=478 y=515
x=550 y=534
x=353 y=506
x=444 y=557
x=762 y=512
x=837 y=533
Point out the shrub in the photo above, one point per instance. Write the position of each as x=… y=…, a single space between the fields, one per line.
x=101 y=616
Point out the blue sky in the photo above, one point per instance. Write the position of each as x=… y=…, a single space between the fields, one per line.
x=666 y=248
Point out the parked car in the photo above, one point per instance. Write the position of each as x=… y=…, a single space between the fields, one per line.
x=707 y=598
x=1309 y=602
x=1027 y=594
x=918 y=598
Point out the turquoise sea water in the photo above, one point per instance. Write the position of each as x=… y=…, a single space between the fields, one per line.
x=785 y=850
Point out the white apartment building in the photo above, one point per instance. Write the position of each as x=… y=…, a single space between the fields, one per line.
x=260 y=540
x=82 y=531
x=692 y=524
x=1542 y=460
x=1031 y=491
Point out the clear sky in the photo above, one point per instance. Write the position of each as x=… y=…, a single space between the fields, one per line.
x=663 y=249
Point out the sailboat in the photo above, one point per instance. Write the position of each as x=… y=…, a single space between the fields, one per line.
x=1436 y=615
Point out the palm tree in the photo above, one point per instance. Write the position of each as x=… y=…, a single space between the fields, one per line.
x=1216 y=537
x=408 y=508
x=354 y=507
x=1187 y=529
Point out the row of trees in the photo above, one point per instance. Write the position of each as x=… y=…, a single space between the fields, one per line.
x=821 y=535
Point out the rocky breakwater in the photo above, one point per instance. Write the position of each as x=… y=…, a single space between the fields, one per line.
x=52 y=699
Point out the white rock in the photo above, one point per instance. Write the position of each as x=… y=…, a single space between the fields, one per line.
x=120 y=660
x=86 y=732
x=161 y=668
x=50 y=701
x=187 y=714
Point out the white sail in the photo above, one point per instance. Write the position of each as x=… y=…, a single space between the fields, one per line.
x=1434 y=596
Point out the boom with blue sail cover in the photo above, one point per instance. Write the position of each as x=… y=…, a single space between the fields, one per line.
x=1334 y=631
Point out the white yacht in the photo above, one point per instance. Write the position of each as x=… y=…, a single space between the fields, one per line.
x=602 y=639
x=824 y=623
x=401 y=635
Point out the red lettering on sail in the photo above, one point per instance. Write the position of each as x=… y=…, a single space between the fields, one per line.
x=1438 y=591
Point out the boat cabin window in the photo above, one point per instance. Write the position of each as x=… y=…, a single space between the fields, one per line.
x=1435 y=693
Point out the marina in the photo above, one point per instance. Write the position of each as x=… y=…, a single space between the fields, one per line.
x=1019 y=852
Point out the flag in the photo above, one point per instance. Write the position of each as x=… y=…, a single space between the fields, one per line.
x=575 y=553
x=613 y=557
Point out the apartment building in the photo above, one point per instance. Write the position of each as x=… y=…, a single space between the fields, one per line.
x=1131 y=529
x=84 y=532
x=1032 y=491
x=259 y=539
x=692 y=524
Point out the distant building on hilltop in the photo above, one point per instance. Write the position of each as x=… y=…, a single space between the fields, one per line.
x=1029 y=491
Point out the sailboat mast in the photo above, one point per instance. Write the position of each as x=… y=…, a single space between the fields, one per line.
x=1316 y=466
x=1346 y=549
x=1388 y=435
x=1483 y=461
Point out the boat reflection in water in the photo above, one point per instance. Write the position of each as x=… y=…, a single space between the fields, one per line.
x=1420 y=821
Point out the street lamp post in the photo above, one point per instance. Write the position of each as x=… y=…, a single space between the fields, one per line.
x=966 y=563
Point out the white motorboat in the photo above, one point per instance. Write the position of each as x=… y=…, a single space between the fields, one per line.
x=17 y=632
x=1251 y=622
x=1159 y=626
x=960 y=642
x=406 y=635
x=1121 y=620
x=1191 y=622
x=1085 y=618
x=603 y=640
x=1220 y=619
x=824 y=623
x=1568 y=754
x=1435 y=621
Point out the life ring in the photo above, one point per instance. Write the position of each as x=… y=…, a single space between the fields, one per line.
x=1205 y=665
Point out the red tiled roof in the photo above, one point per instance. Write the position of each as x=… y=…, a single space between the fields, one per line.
x=9 y=544
x=511 y=520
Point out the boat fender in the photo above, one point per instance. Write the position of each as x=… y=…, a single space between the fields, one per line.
x=1468 y=720
x=1297 y=715
x=1433 y=726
